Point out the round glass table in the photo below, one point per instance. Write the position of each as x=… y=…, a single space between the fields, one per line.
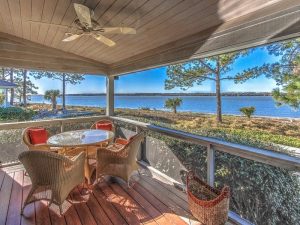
x=81 y=140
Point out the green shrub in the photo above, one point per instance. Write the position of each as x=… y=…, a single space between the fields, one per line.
x=16 y=113
x=248 y=111
x=145 y=108
x=252 y=137
x=261 y=193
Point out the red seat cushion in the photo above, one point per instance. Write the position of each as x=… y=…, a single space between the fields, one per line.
x=38 y=136
x=104 y=126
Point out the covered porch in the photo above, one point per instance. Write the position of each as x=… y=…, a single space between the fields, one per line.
x=187 y=30
x=152 y=200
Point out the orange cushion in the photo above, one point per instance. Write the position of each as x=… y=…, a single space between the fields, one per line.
x=122 y=141
x=38 y=136
x=104 y=126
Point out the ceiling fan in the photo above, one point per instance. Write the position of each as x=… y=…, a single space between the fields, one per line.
x=86 y=25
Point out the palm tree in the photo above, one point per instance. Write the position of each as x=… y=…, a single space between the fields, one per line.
x=248 y=111
x=52 y=96
x=173 y=103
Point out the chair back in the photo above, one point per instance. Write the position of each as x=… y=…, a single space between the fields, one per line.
x=133 y=146
x=104 y=122
x=44 y=168
x=26 y=138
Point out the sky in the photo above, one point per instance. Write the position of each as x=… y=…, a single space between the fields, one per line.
x=153 y=80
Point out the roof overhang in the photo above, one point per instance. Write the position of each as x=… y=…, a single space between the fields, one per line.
x=274 y=22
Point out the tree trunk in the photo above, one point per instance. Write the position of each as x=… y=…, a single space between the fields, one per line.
x=64 y=91
x=175 y=110
x=54 y=103
x=218 y=95
x=12 y=91
x=24 y=88
x=3 y=73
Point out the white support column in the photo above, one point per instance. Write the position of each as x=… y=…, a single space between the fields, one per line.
x=6 y=98
x=110 y=94
x=210 y=165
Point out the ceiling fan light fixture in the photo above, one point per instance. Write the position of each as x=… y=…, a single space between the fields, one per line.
x=85 y=24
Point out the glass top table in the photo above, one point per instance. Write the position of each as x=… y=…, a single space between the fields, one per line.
x=79 y=138
x=84 y=139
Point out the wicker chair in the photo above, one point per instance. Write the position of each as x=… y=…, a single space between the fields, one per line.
x=104 y=122
x=93 y=149
x=40 y=147
x=53 y=176
x=118 y=160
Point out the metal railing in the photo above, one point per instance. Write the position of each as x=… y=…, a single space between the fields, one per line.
x=212 y=144
x=260 y=155
x=59 y=122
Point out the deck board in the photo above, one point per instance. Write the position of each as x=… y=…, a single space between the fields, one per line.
x=13 y=215
x=120 y=204
x=5 y=194
x=29 y=211
x=108 y=208
x=110 y=202
x=97 y=211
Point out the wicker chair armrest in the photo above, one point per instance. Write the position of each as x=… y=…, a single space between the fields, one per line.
x=115 y=150
x=75 y=163
x=41 y=145
x=78 y=159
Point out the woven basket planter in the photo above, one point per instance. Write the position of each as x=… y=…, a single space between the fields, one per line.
x=207 y=204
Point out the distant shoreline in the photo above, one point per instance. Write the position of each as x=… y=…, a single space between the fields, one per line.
x=176 y=94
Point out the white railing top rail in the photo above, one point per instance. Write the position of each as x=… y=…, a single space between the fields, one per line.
x=260 y=155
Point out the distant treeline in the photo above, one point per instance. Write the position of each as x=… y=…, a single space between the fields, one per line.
x=180 y=94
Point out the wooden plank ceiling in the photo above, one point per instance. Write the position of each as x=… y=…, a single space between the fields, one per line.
x=158 y=23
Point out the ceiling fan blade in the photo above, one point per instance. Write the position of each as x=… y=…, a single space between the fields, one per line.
x=119 y=30
x=51 y=24
x=84 y=14
x=104 y=40
x=71 y=37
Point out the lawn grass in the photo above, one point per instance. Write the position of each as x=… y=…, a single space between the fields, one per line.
x=233 y=128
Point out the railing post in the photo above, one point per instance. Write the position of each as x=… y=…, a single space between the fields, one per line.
x=210 y=165
x=110 y=96
x=62 y=127
x=142 y=156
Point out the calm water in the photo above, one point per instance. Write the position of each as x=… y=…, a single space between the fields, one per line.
x=265 y=105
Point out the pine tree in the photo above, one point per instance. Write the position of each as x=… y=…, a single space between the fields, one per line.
x=215 y=68
x=65 y=78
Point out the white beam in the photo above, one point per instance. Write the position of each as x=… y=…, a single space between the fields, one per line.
x=110 y=95
x=6 y=98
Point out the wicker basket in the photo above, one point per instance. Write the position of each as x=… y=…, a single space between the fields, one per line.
x=207 y=204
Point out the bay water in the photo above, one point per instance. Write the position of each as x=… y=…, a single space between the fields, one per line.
x=265 y=105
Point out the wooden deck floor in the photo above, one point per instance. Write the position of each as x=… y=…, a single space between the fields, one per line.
x=150 y=201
